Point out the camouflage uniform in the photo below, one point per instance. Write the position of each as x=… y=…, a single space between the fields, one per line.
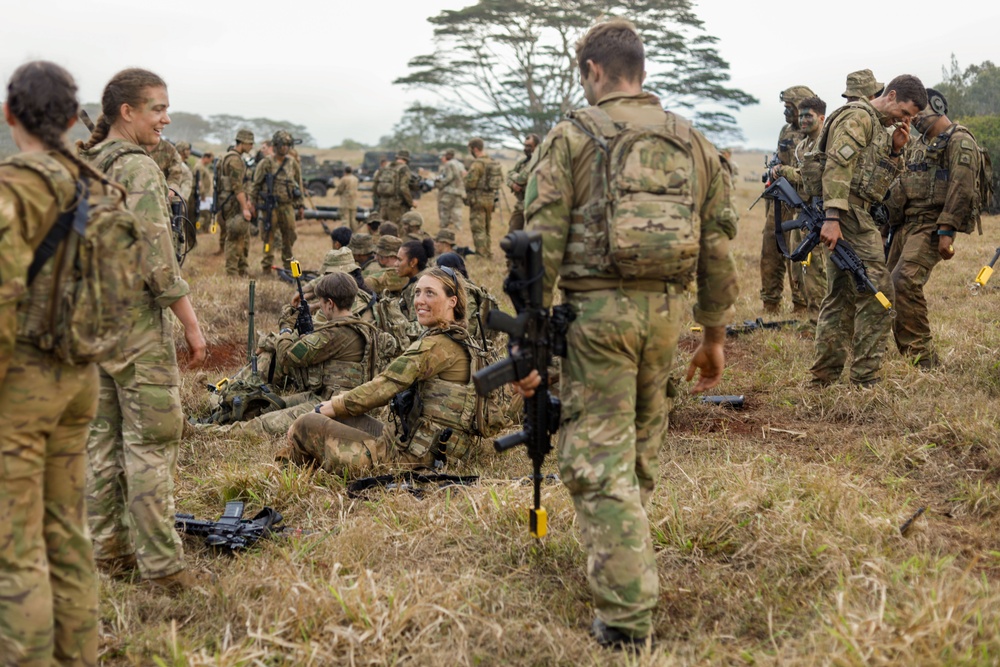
x=48 y=587
x=451 y=186
x=393 y=189
x=480 y=303
x=203 y=180
x=235 y=230
x=858 y=173
x=439 y=365
x=621 y=348
x=288 y=192
x=518 y=175
x=347 y=190
x=812 y=273
x=133 y=442
x=772 y=264
x=939 y=189
x=411 y=227
x=413 y=328
x=480 y=198
x=178 y=174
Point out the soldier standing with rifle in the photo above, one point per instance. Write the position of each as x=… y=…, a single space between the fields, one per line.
x=277 y=189
x=482 y=184
x=232 y=205
x=627 y=308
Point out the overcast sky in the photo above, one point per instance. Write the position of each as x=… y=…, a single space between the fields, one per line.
x=329 y=65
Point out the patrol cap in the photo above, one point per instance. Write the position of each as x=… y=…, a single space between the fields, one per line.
x=361 y=244
x=388 y=246
x=862 y=84
x=182 y=146
x=445 y=236
x=244 y=136
x=411 y=220
x=340 y=260
x=795 y=94
x=403 y=155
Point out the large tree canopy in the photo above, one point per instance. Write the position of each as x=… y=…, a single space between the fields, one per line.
x=972 y=92
x=509 y=65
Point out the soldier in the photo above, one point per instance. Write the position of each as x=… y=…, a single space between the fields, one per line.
x=176 y=171
x=341 y=237
x=286 y=191
x=444 y=241
x=363 y=249
x=862 y=159
x=235 y=207
x=393 y=188
x=438 y=366
x=862 y=84
x=386 y=278
x=414 y=257
x=939 y=196
x=133 y=442
x=480 y=301
x=202 y=189
x=482 y=184
x=517 y=178
x=48 y=585
x=339 y=354
x=622 y=341
x=451 y=191
x=382 y=164
x=347 y=190
x=412 y=227
x=812 y=273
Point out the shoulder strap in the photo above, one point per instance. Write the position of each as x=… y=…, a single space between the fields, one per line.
x=118 y=152
x=74 y=218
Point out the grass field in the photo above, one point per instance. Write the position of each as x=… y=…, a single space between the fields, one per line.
x=776 y=527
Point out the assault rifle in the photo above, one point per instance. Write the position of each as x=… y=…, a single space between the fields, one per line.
x=268 y=204
x=535 y=337
x=768 y=165
x=232 y=532
x=304 y=322
x=216 y=208
x=750 y=326
x=811 y=220
x=184 y=238
x=196 y=195
x=984 y=273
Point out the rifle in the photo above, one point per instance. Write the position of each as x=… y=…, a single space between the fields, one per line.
x=984 y=273
x=535 y=337
x=196 y=195
x=267 y=206
x=304 y=322
x=811 y=220
x=216 y=207
x=232 y=532
x=766 y=176
x=177 y=220
x=750 y=326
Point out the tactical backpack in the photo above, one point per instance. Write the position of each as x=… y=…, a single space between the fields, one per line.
x=81 y=301
x=984 y=186
x=494 y=176
x=385 y=185
x=642 y=217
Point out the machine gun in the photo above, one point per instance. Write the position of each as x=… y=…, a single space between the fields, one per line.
x=232 y=532
x=811 y=220
x=304 y=321
x=245 y=395
x=984 y=274
x=535 y=337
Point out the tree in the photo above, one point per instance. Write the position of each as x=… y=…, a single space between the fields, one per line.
x=973 y=92
x=425 y=128
x=510 y=64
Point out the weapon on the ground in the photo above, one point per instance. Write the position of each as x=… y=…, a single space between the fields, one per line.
x=535 y=337
x=905 y=528
x=269 y=202
x=750 y=326
x=735 y=402
x=415 y=483
x=232 y=532
x=811 y=218
x=984 y=273
x=304 y=321
x=285 y=275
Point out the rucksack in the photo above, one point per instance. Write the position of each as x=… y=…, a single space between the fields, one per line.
x=984 y=186
x=93 y=278
x=645 y=203
x=491 y=411
x=494 y=176
x=385 y=185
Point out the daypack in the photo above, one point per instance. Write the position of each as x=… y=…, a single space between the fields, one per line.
x=385 y=185
x=494 y=176
x=984 y=186
x=92 y=283
x=644 y=196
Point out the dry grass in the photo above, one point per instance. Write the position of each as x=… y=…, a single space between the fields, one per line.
x=776 y=527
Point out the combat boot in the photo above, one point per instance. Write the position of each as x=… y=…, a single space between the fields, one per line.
x=178 y=582
x=772 y=308
x=117 y=567
x=615 y=639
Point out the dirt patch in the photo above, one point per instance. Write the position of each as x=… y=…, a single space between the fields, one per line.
x=226 y=356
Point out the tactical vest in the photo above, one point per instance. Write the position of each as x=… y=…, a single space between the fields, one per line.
x=642 y=220
x=334 y=376
x=788 y=139
x=874 y=170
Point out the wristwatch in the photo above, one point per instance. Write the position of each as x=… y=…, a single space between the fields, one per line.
x=946 y=232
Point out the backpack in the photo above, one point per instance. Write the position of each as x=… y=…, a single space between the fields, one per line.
x=494 y=176
x=984 y=186
x=645 y=203
x=385 y=184
x=93 y=279
x=491 y=411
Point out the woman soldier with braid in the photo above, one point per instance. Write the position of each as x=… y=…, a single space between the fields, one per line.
x=48 y=589
x=134 y=439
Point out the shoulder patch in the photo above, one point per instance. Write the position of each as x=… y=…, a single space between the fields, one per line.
x=967 y=145
x=965 y=159
x=846 y=152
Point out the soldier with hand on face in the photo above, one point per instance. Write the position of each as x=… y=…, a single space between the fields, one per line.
x=286 y=182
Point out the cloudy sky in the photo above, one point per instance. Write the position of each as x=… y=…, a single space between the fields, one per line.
x=329 y=64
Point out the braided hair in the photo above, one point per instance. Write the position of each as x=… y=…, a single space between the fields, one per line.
x=125 y=87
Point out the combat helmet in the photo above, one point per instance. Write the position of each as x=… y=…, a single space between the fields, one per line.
x=282 y=138
x=795 y=94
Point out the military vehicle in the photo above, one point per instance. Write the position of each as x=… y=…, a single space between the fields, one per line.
x=428 y=161
x=317 y=177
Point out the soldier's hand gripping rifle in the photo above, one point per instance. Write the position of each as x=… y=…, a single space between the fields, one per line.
x=766 y=176
x=304 y=321
x=810 y=219
x=267 y=206
x=535 y=336
x=984 y=273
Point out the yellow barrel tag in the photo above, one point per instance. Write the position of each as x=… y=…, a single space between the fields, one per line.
x=296 y=269
x=267 y=247
x=808 y=260
x=538 y=522
x=696 y=329
x=884 y=301
x=221 y=384
x=214 y=228
x=984 y=275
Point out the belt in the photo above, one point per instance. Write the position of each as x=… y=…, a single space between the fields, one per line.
x=855 y=200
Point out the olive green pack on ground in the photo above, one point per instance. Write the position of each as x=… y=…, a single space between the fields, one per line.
x=92 y=283
x=642 y=217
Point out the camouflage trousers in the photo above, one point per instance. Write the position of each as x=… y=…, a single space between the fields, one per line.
x=235 y=239
x=845 y=311
x=48 y=588
x=276 y=422
x=204 y=221
x=812 y=274
x=391 y=210
x=913 y=256
x=450 y=209
x=773 y=266
x=283 y=235
x=220 y=221
x=479 y=223
x=614 y=393
x=516 y=220
x=132 y=451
